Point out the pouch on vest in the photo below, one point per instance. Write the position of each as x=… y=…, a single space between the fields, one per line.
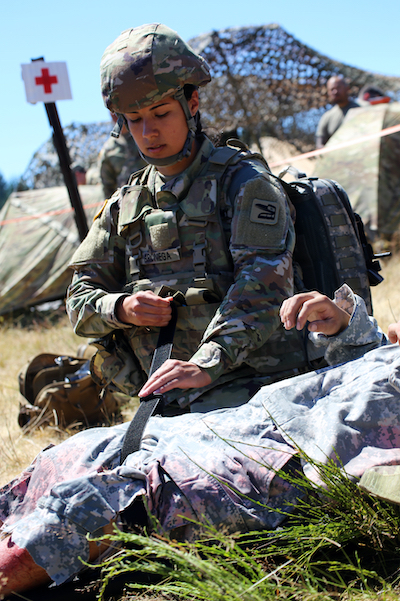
x=114 y=366
x=61 y=391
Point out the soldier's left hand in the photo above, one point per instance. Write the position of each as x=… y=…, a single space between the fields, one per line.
x=320 y=311
x=175 y=374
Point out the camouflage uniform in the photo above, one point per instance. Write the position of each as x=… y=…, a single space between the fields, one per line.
x=219 y=468
x=220 y=233
x=118 y=158
x=207 y=240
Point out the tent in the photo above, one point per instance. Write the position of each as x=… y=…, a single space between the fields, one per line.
x=369 y=169
x=38 y=236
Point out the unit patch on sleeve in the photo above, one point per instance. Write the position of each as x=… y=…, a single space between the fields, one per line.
x=264 y=211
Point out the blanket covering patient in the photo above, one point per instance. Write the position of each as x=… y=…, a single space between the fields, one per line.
x=217 y=468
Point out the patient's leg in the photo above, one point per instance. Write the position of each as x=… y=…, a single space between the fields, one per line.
x=18 y=571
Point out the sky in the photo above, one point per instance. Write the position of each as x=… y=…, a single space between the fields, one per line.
x=360 y=33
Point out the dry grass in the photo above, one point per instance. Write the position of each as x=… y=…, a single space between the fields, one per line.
x=386 y=296
x=19 y=343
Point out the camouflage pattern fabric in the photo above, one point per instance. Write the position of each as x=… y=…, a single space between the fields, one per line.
x=242 y=263
x=368 y=171
x=219 y=468
x=36 y=269
x=146 y=64
x=118 y=159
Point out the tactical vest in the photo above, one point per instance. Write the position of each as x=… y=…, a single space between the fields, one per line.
x=183 y=246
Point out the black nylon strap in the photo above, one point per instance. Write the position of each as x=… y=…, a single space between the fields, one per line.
x=152 y=402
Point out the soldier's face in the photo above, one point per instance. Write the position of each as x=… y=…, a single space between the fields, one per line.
x=160 y=130
x=337 y=91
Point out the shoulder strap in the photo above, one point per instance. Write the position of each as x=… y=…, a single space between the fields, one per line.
x=148 y=405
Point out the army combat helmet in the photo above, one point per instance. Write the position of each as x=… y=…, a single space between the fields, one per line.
x=143 y=66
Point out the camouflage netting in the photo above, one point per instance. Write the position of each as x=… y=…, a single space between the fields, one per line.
x=84 y=143
x=267 y=83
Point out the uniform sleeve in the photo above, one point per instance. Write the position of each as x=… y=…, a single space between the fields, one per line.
x=99 y=277
x=361 y=335
x=261 y=246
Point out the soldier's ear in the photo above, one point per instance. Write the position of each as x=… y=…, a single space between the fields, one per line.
x=194 y=103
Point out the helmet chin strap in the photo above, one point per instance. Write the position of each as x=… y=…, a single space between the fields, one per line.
x=187 y=147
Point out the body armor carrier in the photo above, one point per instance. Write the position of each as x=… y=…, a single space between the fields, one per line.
x=180 y=247
x=183 y=247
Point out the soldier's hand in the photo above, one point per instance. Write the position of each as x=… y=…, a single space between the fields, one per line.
x=175 y=374
x=394 y=332
x=144 y=308
x=320 y=311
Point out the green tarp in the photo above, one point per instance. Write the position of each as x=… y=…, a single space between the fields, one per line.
x=369 y=170
x=38 y=236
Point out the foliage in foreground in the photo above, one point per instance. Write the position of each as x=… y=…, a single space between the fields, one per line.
x=339 y=543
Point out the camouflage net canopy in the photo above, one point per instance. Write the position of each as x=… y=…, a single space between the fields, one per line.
x=267 y=83
x=84 y=143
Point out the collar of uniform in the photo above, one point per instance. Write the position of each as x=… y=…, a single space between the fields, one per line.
x=180 y=184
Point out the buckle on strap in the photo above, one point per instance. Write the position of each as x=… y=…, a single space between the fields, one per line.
x=199 y=253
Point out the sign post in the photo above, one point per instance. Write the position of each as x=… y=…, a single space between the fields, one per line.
x=48 y=82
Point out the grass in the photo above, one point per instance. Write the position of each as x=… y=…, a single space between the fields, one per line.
x=348 y=549
x=386 y=296
x=339 y=544
x=18 y=343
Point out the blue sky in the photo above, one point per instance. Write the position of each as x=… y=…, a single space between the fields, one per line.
x=363 y=34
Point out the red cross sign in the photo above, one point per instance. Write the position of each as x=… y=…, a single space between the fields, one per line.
x=46 y=82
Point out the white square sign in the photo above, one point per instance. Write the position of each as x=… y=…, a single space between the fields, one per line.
x=46 y=82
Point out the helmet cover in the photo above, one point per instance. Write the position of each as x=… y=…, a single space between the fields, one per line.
x=146 y=64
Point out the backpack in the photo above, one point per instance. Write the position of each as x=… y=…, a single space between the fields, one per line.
x=331 y=246
x=61 y=391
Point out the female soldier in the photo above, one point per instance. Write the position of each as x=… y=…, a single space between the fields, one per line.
x=210 y=224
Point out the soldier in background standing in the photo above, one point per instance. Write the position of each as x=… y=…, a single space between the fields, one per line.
x=338 y=95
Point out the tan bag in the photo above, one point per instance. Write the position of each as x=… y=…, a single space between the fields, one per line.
x=61 y=391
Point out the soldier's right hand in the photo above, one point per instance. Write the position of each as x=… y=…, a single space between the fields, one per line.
x=144 y=308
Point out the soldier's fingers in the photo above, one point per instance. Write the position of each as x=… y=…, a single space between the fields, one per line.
x=394 y=332
x=291 y=307
x=167 y=372
x=140 y=312
x=318 y=308
x=147 y=297
x=175 y=374
x=325 y=326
